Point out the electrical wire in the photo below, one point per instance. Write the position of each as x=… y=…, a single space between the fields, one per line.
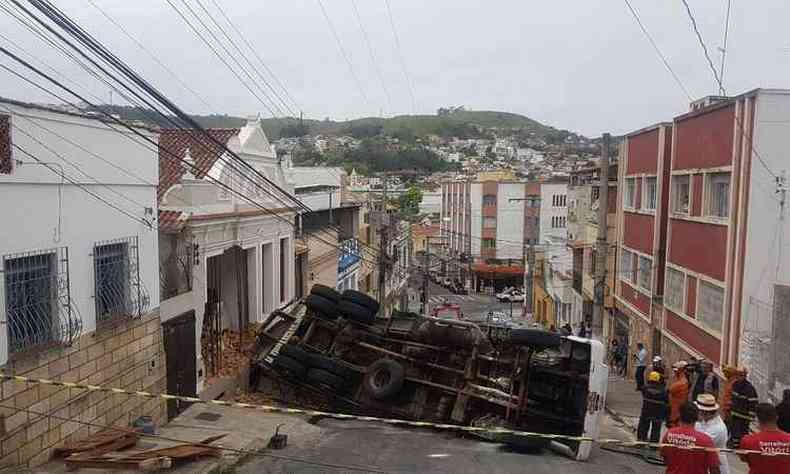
x=153 y=56
x=399 y=52
x=704 y=47
x=343 y=54
x=371 y=54
x=657 y=50
x=724 y=45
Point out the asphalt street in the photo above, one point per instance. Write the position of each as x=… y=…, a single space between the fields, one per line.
x=474 y=306
x=356 y=446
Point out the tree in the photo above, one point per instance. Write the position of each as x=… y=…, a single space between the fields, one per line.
x=409 y=202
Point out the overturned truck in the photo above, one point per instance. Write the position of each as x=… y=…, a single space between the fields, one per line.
x=439 y=370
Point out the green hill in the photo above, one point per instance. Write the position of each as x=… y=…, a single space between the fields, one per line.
x=450 y=122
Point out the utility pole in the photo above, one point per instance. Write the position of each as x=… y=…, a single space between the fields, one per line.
x=426 y=263
x=600 y=242
x=384 y=229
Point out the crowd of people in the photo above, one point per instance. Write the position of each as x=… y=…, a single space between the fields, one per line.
x=696 y=410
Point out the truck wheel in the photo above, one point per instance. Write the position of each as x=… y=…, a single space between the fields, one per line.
x=384 y=378
x=324 y=363
x=296 y=353
x=534 y=337
x=322 y=306
x=322 y=290
x=362 y=299
x=293 y=366
x=356 y=312
x=322 y=377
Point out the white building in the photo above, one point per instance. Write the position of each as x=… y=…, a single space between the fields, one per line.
x=244 y=256
x=79 y=280
x=553 y=212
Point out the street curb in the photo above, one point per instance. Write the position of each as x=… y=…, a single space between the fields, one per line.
x=224 y=463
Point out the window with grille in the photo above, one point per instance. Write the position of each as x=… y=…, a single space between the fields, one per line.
x=629 y=198
x=488 y=243
x=710 y=305
x=675 y=287
x=118 y=291
x=489 y=200
x=651 y=194
x=30 y=298
x=718 y=194
x=645 y=268
x=680 y=194
x=627 y=264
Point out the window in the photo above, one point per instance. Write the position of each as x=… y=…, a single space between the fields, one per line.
x=675 y=288
x=489 y=200
x=680 y=194
x=627 y=264
x=718 y=194
x=488 y=243
x=115 y=262
x=284 y=253
x=651 y=194
x=645 y=274
x=31 y=298
x=630 y=193
x=489 y=222
x=596 y=193
x=710 y=306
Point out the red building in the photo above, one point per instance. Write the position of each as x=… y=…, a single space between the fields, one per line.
x=701 y=198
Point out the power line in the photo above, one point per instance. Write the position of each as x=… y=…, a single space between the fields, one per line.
x=255 y=53
x=399 y=52
x=657 y=50
x=343 y=53
x=704 y=47
x=372 y=55
x=150 y=53
x=724 y=45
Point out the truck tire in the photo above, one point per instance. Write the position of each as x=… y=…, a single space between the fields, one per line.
x=322 y=290
x=322 y=306
x=356 y=312
x=322 y=377
x=534 y=337
x=296 y=353
x=293 y=366
x=362 y=299
x=384 y=378
x=317 y=361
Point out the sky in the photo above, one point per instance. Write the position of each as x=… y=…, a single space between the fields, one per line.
x=581 y=65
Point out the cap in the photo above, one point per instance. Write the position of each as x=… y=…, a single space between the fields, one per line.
x=706 y=402
x=654 y=377
x=681 y=364
x=657 y=359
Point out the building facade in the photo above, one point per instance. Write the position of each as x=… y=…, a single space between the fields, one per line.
x=79 y=283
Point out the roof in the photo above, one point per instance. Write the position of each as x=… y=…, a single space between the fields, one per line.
x=173 y=144
x=307 y=176
x=427 y=230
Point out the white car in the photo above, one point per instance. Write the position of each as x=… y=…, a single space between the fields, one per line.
x=514 y=295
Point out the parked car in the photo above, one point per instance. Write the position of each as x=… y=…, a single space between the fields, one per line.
x=441 y=370
x=510 y=294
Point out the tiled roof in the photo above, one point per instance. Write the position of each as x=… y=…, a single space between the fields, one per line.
x=204 y=153
x=5 y=144
x=172 y=221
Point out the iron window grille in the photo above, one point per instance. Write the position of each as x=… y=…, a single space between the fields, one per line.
x=177 y=257
x=119 y=292
x=37 y=299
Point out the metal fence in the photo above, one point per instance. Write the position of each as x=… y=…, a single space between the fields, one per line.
x=37 y=296
x=118 y=292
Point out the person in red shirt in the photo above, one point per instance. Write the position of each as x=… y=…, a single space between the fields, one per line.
x=689 y=461
x=769 y=440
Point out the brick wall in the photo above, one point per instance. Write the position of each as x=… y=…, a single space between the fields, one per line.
x=129 y=355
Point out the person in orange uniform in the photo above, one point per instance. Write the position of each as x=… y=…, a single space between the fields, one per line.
x=678 y=392
x=726 y=394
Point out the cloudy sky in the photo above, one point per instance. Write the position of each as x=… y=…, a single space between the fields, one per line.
x=583 y=65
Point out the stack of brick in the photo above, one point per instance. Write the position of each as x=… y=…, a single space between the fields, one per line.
x=128 y=355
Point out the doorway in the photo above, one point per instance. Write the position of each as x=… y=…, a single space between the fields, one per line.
x=180 y=360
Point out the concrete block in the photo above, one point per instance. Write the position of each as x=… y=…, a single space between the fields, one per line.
x=87 y=369
x=72 y=375
x=41 y=458
x=58 y=367
x=46 y=391
x=59 y=398
x=11 y=388
x=10 y=460
x=38 y=428
x=15 y=421
x=40 y=372
x=138 y=332
x=27 y=398
x=31 y=449
x=77 y=359
x=95 y=351
x=53 y=436
x=14 y=442
x=42 y=406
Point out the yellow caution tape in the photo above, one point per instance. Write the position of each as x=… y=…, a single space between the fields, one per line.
x=391 y=421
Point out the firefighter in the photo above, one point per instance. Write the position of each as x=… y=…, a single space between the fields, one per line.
x=678 y=392
x=744 y=401
x=726 y=393
x=658 y=366
x=654 y=408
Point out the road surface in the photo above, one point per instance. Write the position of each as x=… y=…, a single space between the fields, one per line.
x=474 y=306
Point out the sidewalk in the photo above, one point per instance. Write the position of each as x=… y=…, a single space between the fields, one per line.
x=624 y=403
